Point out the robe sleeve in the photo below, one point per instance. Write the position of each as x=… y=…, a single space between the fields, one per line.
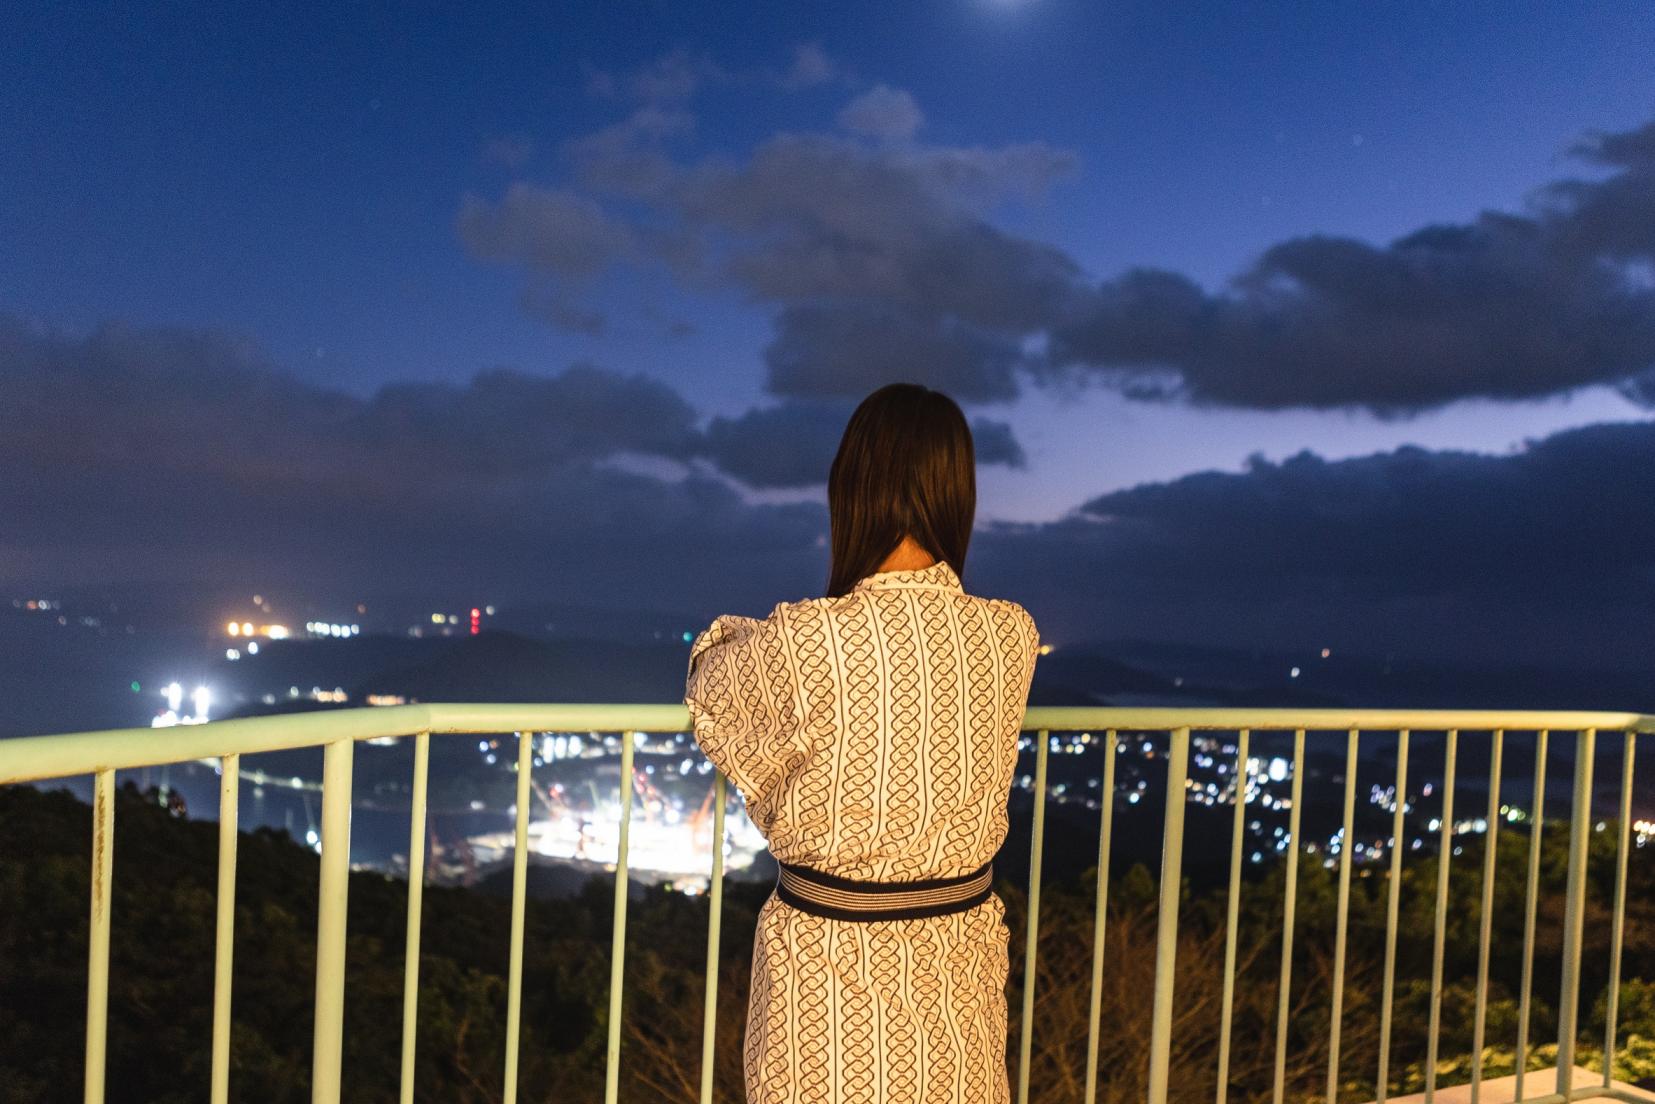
x=738 y=690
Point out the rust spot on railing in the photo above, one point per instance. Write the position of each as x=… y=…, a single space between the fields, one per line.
x=100 y=814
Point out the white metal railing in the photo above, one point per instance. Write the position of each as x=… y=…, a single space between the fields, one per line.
x=101 y=754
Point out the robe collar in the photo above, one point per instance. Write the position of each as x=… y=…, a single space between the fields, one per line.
x=936 y=576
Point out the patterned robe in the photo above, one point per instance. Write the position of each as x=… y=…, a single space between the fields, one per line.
x=873 y=736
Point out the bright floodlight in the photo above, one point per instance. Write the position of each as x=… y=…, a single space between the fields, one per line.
x=175 y=696
x=201 y=699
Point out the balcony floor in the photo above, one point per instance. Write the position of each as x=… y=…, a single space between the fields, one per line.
x=1536 y=1083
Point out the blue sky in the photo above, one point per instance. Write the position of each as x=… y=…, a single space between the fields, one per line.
x=298 y=180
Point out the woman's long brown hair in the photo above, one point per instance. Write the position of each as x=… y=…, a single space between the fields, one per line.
x=906 y=466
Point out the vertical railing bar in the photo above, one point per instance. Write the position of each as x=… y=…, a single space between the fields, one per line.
x=715 y=914
x=1485 y=923
x=97 y=934
x=1618 y=922
x=617 y=939
x=1290 y=898
x=1445 y=855
x=1025 y=1039
x=1574 y=908
x=1232 y=915
x=333 y=887
x=1530 y=909
x=519 y=909
x=1393 y=898
x=416 y=898
x=224 y=939
x=1342 y=924
x=1166 y=929
x=1100 y=908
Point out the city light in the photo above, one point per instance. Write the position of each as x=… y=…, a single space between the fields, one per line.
x=328 y=628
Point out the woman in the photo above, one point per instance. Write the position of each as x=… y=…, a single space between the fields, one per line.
x=873 y=733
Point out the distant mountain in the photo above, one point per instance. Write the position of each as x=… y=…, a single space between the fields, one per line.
x=506 y=667
x=1076 y=675
x=85 y=672
x=1387 y=681
x=576 y=621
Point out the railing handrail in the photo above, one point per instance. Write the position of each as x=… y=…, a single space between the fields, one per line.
x=61 y=755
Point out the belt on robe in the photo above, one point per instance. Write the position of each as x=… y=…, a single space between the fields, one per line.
x=837 y=898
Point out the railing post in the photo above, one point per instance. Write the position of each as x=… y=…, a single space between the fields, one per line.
x=1617 y=927
x=334 y=883
x=617 y=939
x=1445 y=857
x=519 y=903
x=1530 y=902
x=1231 y=916
x=1342 y=924
x=416 y=897
x=1166 y=930
x=1574 y=909
x=1289 y=909
x=229 y=795
x=1100 y=909
x=715 y=914
x=97 y=934
x=1485 y=923
x=1393 y=900
x=1025 y=1038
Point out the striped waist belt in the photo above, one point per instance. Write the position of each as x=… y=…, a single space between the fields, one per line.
x=849 y=899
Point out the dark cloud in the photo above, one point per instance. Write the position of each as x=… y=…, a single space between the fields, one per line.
x=820 y=226
x=181 y=456
x=184 y=456
x=813 y=217
x=509 y=423
x=554 y=304
x=848 y=349
x=811 y=67
x=1615 y=216
x=836 y=231
x=511 y=150
x=1547 y=553
x=995 y=443
x=883 y=112
x=678 y=75
x=1559 y=513
x=792 y=444
x=675 y=76
x=550 y=230
x=1505 y=307
x=628 y=158
x=196 y=401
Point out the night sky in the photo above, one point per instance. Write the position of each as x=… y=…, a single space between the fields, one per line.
x=1286 y=324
